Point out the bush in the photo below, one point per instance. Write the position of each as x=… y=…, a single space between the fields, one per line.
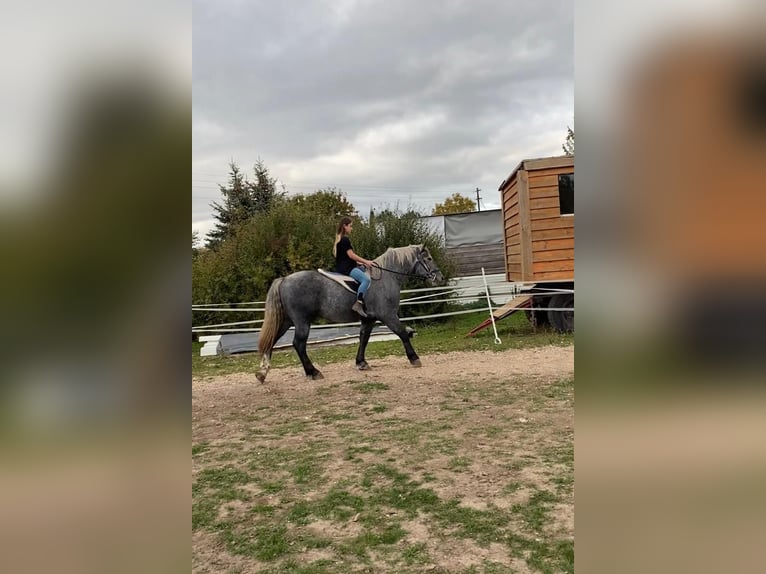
x=297 y=234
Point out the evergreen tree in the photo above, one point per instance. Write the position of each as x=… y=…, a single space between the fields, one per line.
x=263 y=191
x=242 y=200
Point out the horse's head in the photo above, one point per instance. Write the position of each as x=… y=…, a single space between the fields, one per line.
x=425 y=266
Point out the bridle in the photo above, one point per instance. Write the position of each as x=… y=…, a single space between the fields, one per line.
x=430 y=274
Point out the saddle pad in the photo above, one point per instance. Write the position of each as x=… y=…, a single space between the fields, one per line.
x=347 y=282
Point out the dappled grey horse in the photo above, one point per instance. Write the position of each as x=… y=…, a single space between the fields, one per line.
x=302 y=297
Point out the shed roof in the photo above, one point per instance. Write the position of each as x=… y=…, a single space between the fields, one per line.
x=538 y=163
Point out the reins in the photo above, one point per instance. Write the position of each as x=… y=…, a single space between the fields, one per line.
x=429 y=272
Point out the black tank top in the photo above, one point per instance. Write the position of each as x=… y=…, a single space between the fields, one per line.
x=343 y=263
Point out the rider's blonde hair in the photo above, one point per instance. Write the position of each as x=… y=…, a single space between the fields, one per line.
x=340 y=233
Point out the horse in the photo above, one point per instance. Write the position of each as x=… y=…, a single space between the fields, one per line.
x=301 y=297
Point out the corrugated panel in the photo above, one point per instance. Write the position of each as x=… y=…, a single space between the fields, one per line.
x=471 y=259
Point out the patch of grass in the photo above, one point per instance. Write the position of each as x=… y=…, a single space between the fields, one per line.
x=415 y=554
x=199 y=448
x=213 y=487
x=561 y=389
x=370 y=387
x=408 y=431
x=352 y=451
x=379 y=409
x=534 y=511
x=459 y=463
x=304 y=464
x=389 y=472
x=511 y=487
x=564 y=484
x=261 y=542
x=305 y=473
x=379 y=496
x=325 y=390
x=546 y=557
x=299 y=513
x=371 y=538
x=484 y=526
x=310 y=541
x=423 y=439
x=328 y=418
x=562 y=454
x=488 y=567
x=493 y=431
x=407 y=498
x=204 y=513
x=516 y=465
x=227 y=455
x=269 y=487
x=265 y=509
x=290 y=566
x=220 y=478
x=337 y=504
x=444 y=337
x=293 y=427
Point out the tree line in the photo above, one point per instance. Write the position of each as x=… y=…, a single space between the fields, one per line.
x=262 y=233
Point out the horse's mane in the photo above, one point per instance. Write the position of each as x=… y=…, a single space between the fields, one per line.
x=399 y=256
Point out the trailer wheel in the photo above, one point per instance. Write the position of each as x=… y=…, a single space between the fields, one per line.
x=562 y=320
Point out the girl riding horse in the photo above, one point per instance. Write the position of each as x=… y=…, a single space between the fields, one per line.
x=349 y=263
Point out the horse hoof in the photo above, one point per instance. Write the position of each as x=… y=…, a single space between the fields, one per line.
x=363 y=366
x=416 y=363
x=261 y=377
x=316 y=376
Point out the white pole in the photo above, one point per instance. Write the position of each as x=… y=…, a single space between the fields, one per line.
x=489 y=305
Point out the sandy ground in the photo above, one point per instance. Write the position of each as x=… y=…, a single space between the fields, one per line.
x=512 y=393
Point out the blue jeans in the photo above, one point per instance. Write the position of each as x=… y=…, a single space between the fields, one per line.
x=364 y=281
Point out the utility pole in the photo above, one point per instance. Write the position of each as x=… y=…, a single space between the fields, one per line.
x=478 y=200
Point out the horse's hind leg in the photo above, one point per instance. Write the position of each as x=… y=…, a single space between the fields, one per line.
x=266 y=357
x=299 y=343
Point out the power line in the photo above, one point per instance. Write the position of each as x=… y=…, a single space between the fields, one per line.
x=356 y=186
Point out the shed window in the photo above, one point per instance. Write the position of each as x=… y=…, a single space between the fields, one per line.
x=566 y=194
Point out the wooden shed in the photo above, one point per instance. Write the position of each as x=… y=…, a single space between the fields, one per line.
x=538 y=220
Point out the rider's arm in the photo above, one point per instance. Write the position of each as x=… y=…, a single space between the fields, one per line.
x=355 y=257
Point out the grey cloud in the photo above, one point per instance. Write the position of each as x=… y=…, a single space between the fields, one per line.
x=290 y=81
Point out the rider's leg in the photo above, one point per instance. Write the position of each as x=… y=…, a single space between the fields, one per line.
x=364 y=283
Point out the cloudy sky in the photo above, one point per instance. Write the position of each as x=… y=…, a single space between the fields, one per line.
x=394 y=102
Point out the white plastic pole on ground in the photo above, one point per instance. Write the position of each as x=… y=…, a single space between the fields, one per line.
x=489 y=305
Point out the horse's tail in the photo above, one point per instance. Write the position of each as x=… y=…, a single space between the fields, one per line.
x=272 y=321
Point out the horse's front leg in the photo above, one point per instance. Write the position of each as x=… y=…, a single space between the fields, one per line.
x=405 y=335
x=364 y=337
